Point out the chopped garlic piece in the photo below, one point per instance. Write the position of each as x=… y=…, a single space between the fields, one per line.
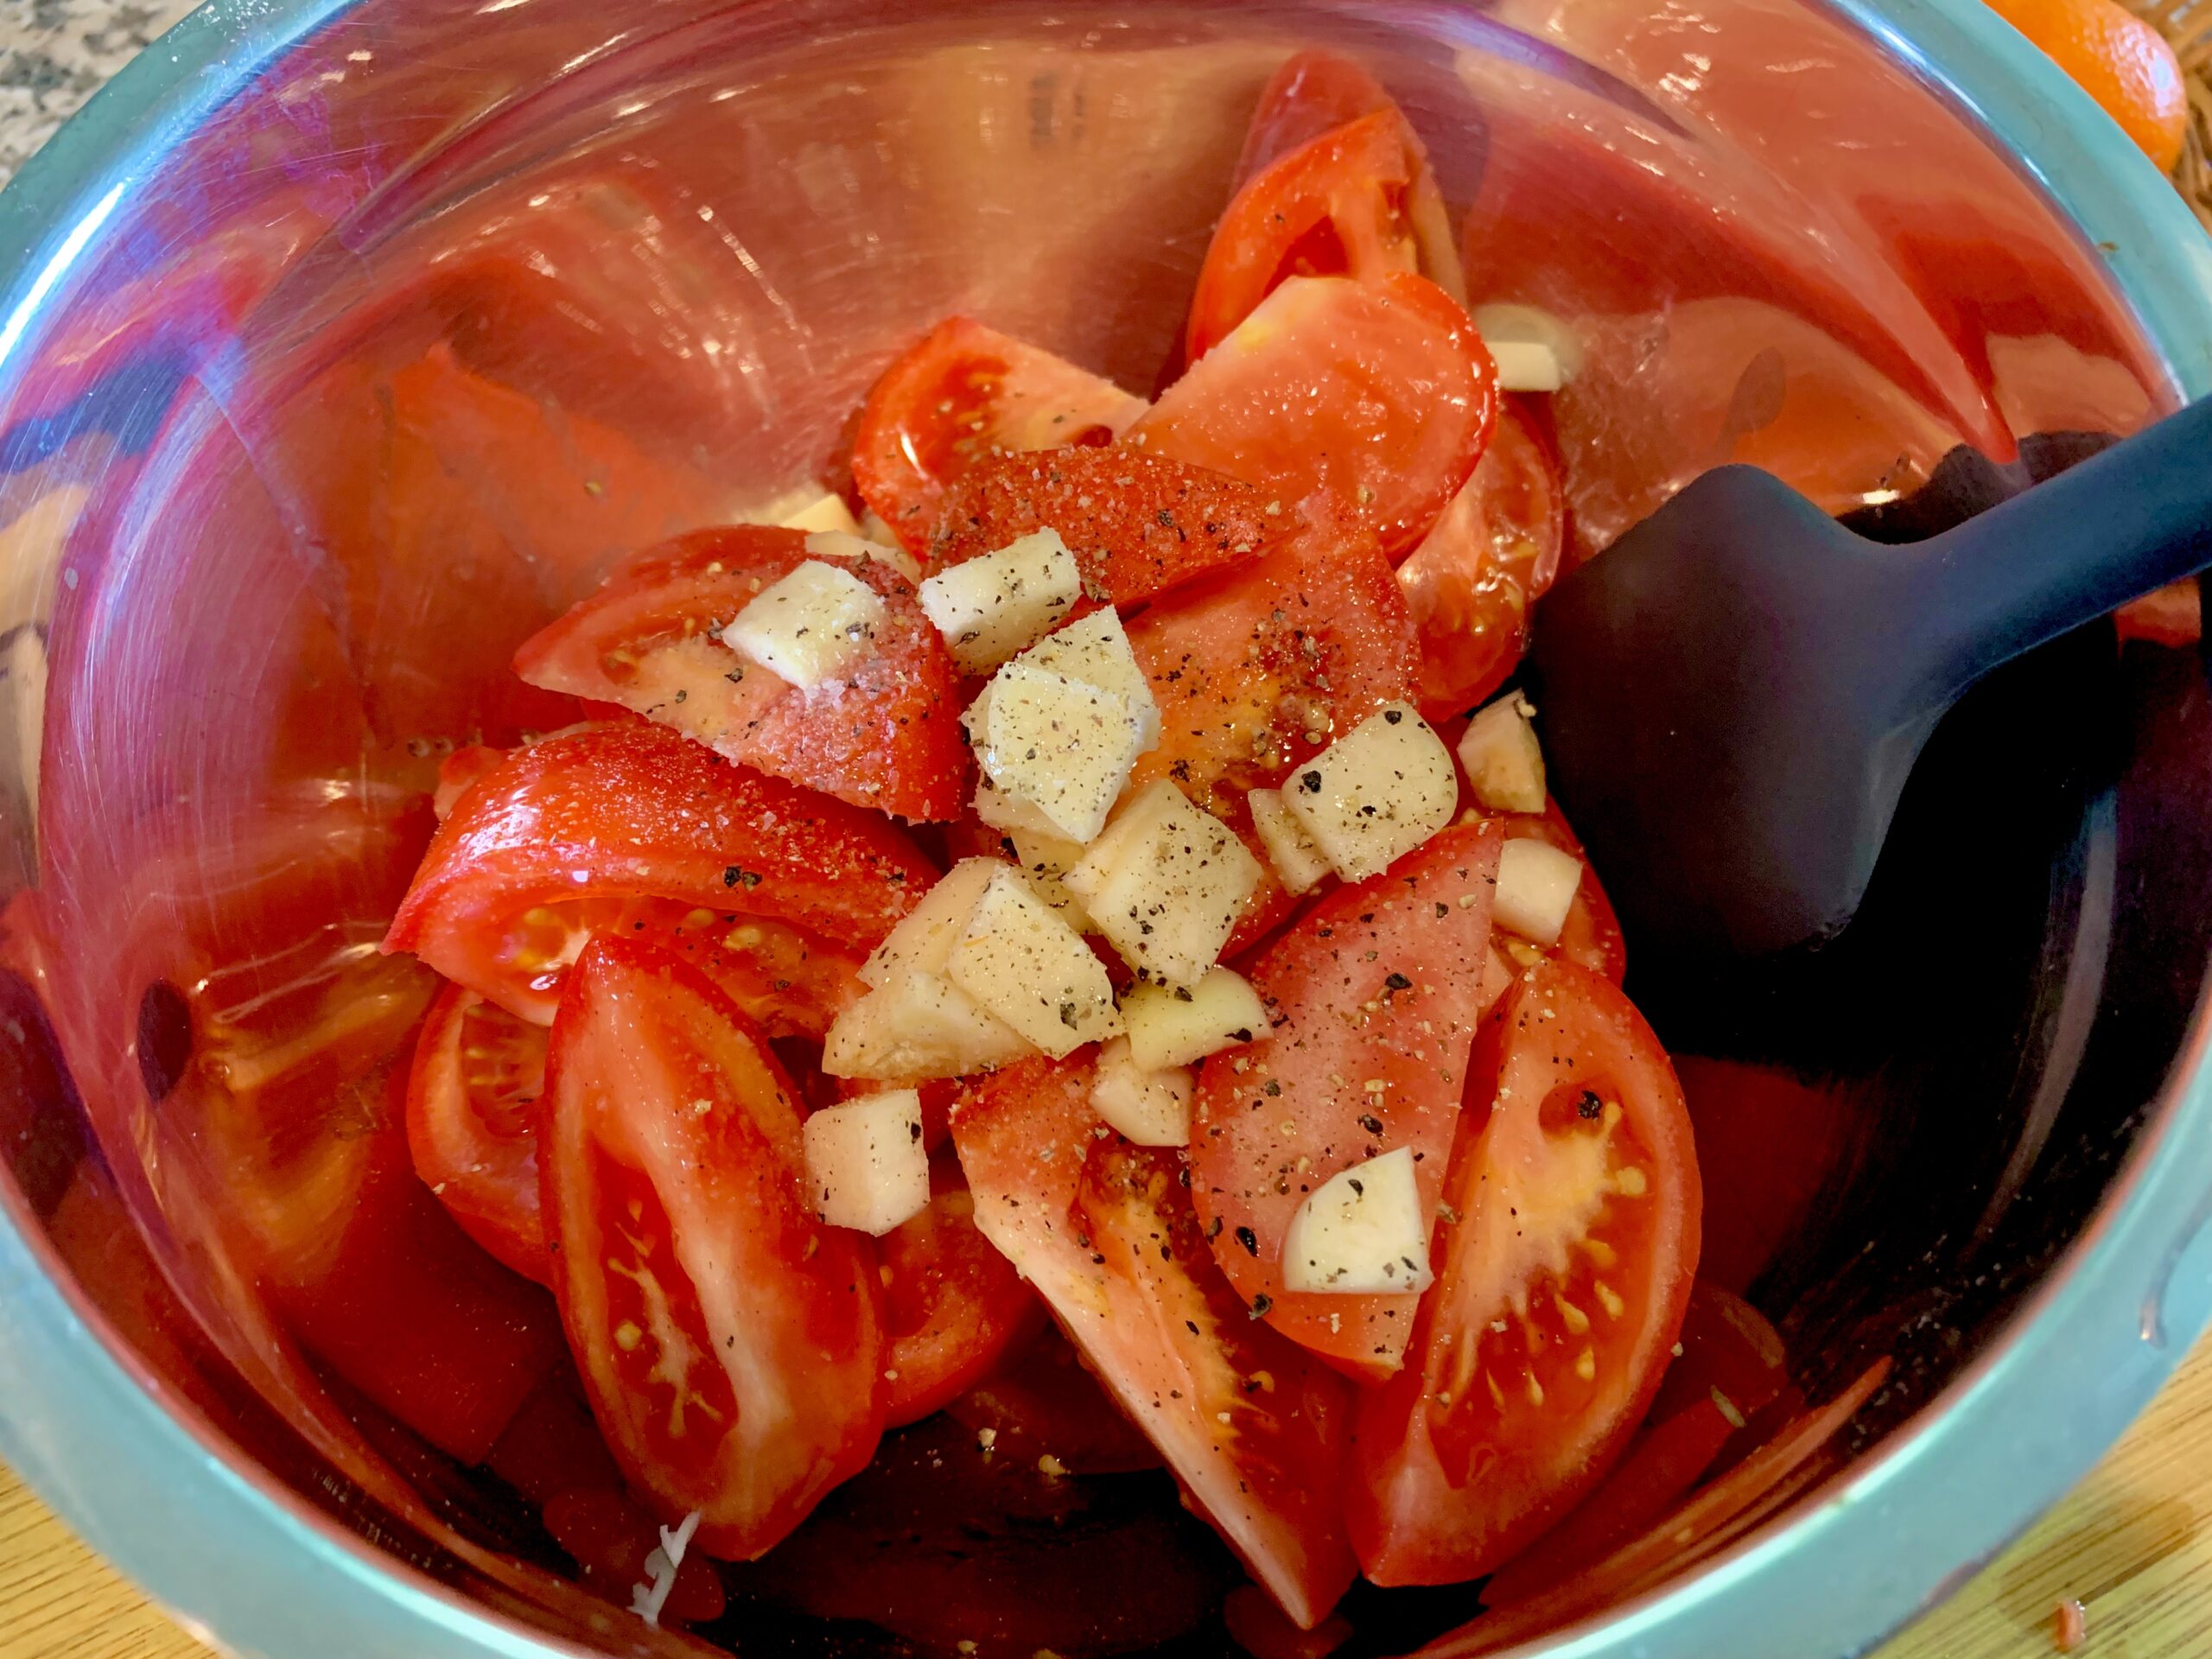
x=836 y=544
x=914 y=1026
x=1179 y=1025
x=811 y=625
x=1363 y=1231
x=865 y=1164
x=924 y=939
x=1506 y=324
x=1150 y=1107
x=1165 y=884
x=825 y=513
x=1019 y=961
x=1096 y=650
x=1298 y=862
x=1525 y=365
x=1536 y=884
x=1376 y=793
x=1504 y=761
x=990 y=608
x=1063 y=746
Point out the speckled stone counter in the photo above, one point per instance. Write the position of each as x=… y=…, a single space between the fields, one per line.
x=55 y=53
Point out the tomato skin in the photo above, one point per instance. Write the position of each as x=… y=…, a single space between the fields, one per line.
x=1406 y=928
x=1258 y=669
x=1366 y=404
x=1473 y=580
x=960 y=393
x=472 y=1128
x=779 y=1347
x=1333 y=207
x=1138 y=524
x=953 y=1305
x=1105 y=1232
x=886 y=735
x=635 y=811
x=1450 y=1478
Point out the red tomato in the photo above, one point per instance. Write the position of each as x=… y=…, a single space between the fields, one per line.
x=1046 y=1404
x=1402 y=953
x=1773 y=1143
x=1258 y=1626
x=1591 y=936
x=1137 y=523
x=1565 y=1261
x=1315 y=91
x=1472 y=581
x=731 y=1344
x=1336 y=205
x=1730 y=1366
x=953 y=1304
x=471 y=1124
x=1249 y=1423
x=1362 y=403
x=960 y=394
x=518 y=876
x=1259 y=669
x=888 y=735
x=2172 y=616
x=552 y=1446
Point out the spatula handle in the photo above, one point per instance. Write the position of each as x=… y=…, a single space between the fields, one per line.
x=2117 y=526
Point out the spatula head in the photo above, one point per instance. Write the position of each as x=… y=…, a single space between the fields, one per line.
x=1726 y=719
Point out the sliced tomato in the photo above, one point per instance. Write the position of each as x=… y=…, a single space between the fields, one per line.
x=2172 y=616
x=1591 y=936
x=1471 y=582
x=1380 y=983
x=1730 y=1367
x=1565 y=1263
x=1137 y=523
x=564 y=834
x=1774 y=1143
x=960 y=394
x=1339 y=204
x=471 y=1124
x=1258 y=669
x=1315 y=91
x=1045 y=1403
x=731 y=1344
x=953 y=1304
x=1249 y=1424
x=1366 y=404
x=887 y=734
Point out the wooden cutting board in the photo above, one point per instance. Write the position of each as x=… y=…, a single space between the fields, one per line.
x=2134 y=1544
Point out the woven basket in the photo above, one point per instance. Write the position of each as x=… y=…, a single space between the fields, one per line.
x=2187 y=24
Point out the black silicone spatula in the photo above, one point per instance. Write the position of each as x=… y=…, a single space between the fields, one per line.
x=1732 y=695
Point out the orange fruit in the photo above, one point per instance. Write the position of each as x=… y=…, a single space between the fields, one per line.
x=2116 y=57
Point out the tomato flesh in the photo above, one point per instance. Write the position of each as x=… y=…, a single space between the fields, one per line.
x=1258 y=669
x=1248 y=1423
x=1561 y=1284
x=731 y=1344
x=1365 y=404
x=1137 y=523
x=471 y=1124
x=1472 y=581
x=884 y=735
x=1379 y=983
x=953 y=1304
x=502 y=900
x=962 y=392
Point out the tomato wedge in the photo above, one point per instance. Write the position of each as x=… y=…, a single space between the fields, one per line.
x=518 y=876
x=885 y=735
x=1380 y=983
x=732 y=1345
x=471 y=1124
x=1561 y=1284
x=1137 y=523
x=960 y=394
x=1471 y=582
x=1364 y=404
x=1339 y=204
x=1257 y=668
x=1249 y=1424
x=1591 y=936
x=953 y=1304
x=1314 y=92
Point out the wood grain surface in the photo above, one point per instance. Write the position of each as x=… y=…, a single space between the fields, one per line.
x=2132 y=1544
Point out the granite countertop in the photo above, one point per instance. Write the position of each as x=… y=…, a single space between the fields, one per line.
x=55 y=53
